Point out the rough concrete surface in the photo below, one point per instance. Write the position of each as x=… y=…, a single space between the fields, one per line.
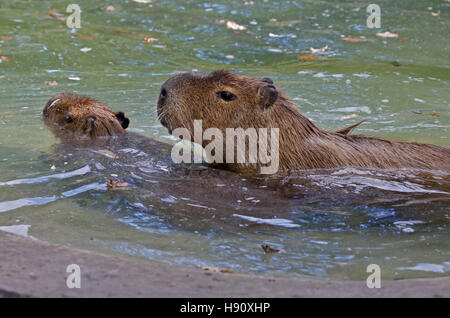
x=31 y=268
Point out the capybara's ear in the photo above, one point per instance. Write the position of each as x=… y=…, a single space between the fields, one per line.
x=267 y=80
x=124 y=121
x=51 y=102
x=268 y=94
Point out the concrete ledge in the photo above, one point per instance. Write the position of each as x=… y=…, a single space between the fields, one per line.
x=30 y=268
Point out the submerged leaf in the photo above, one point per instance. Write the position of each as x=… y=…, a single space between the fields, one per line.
x=85 y=37
x=307 y=57
x=354 y=39
x=267 y=249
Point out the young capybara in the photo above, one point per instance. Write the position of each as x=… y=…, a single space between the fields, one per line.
x=69 y=114
x=225 y=100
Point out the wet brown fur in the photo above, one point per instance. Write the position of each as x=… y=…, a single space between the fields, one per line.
x=303 y=145
x=69 y=114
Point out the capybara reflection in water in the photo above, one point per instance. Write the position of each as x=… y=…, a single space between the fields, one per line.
x=225 y=100
x=70 y=114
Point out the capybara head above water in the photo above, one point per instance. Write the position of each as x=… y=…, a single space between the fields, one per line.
x=224 y=100
x=71 y=114
x=221 y=99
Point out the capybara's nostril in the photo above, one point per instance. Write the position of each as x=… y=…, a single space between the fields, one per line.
x=163 y=93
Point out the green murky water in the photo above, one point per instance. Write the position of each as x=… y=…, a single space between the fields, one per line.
x=343 y=221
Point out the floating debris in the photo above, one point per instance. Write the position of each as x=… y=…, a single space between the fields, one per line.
x=349 y=116
x=233 y=25
x=148 y=39
x=307 y=57
x=436 y=14
x=323 y=49
x=119 y=184
x=388 y=34
x=5 y=59
x=346 y=39
x=267 y=249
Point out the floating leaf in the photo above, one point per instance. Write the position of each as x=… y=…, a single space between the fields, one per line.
x=354 y=39
x=6 y=116
x=148 y=39
x=307 y=57
x=267 y=249
x=85 y=37
x=435 y=114
x=52 y=83
x=112 y=184
x=349 y=116
x=323 y=49
x=106 y=153
x=57 y=15
x=234 y=26
x=5 y=38
x=388 y=34
x=110 y=9
x=404 y=38
x=3 y=76
x=436 y=14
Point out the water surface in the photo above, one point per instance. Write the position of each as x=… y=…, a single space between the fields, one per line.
x=327 y=224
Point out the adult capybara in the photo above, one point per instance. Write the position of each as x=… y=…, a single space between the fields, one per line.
x=225 y=100
x=71 y=114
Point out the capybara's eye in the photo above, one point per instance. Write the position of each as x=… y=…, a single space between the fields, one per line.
x=68 y=119
x=226 y=96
